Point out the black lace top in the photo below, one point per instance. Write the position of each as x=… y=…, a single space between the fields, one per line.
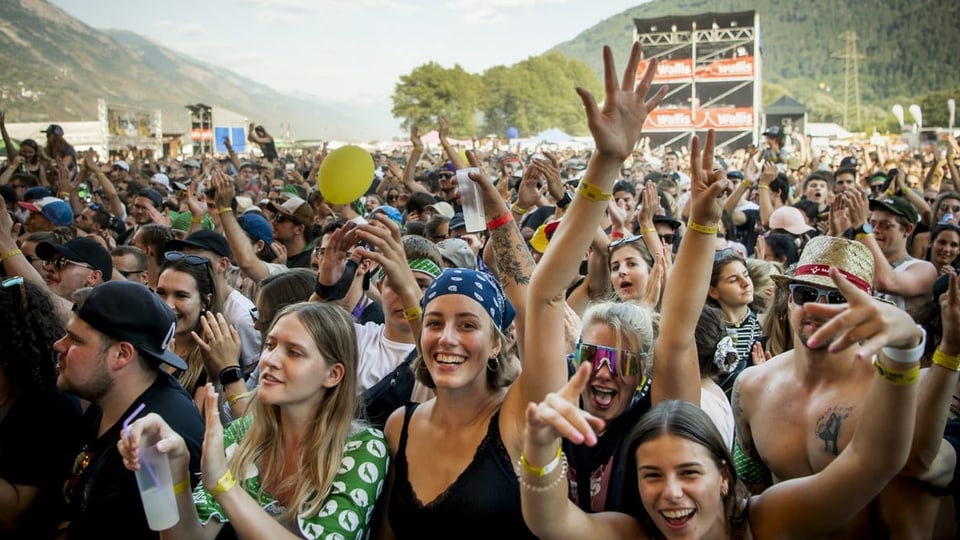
x=483 y=502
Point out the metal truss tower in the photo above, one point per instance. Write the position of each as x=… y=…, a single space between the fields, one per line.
x=851 y=80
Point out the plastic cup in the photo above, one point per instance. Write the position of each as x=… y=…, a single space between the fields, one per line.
x=474 y=217
x=156 y=488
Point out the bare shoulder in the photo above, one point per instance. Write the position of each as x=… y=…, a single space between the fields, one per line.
x=393 y=428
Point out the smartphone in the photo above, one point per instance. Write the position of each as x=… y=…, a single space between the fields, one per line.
x=290 y=166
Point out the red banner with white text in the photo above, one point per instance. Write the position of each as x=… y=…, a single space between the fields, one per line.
x=669 y=70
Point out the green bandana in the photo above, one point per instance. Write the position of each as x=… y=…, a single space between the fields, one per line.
x=425 y=266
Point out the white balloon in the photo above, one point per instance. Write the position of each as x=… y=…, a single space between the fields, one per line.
x=917 y=115
x=898 y=113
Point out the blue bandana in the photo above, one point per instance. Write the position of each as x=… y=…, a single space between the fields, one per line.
x=478 y=286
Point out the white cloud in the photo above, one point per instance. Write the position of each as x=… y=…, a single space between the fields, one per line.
x=191 y=29
x=319 y=6
x=494 y=11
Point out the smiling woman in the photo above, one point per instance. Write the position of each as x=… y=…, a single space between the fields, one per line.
x=298 y=462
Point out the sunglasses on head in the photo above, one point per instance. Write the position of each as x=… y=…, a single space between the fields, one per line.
x=724 y=253
x=174 y=256
x=620 y=363
x=623 y=242
x=803 y=294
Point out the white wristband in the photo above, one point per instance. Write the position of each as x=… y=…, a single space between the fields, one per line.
x=907 y=356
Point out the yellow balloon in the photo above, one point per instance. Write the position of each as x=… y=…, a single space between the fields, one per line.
x=345 y=174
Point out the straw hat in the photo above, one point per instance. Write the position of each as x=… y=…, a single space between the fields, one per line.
x=853 y=259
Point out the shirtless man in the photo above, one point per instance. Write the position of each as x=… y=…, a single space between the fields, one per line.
x=798 y=411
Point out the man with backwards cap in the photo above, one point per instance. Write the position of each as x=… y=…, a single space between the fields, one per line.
x=114 y=356
x=797 y=412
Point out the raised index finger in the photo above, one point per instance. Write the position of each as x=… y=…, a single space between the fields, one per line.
x=578 y=383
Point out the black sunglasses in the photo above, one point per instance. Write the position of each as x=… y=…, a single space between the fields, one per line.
x=131 y=273
x=803 y=294
x=668 y=238
x=61 y=262
x=280 y=218
x=174 y=256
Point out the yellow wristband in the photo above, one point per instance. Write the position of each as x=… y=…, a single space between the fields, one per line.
x=592 y=193
x=224 y=210
x=746 y=183
x=196 y=220
x=646 y=231
x=945 y=360
x=518 y=210
x=413 y=313
x=180 y=487
x=11 y=253
x=763 y=186
x=694 y=226
x=224 y=484
x=64 y=194
x=898 y=377
x=541 y=471
x=232 y=399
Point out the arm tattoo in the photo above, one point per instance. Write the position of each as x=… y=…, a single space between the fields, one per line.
x=513 y=258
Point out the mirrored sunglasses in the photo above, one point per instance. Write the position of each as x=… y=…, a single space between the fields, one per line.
x=620 y=363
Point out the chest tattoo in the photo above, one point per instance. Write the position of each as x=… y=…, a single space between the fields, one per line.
x=828 y=427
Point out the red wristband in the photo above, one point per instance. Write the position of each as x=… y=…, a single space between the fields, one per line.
x=616 y=235
x=499 y=221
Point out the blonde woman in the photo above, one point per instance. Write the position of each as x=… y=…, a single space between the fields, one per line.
x=297 y=465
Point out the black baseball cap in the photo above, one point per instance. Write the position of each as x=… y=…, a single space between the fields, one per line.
x=847 y=164
x=81 y=249
x=129 y=311
x=206 y=240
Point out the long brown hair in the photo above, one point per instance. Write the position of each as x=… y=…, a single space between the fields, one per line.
x=321 y=452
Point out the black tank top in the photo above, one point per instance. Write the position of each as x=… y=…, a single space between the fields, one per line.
x=483 y=502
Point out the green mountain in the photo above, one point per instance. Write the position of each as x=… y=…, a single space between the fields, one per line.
x=55 y=68
x=907 y=50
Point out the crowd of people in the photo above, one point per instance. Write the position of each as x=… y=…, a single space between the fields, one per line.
x=758 y=342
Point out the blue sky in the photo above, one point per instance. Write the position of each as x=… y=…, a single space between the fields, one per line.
x=349 y=50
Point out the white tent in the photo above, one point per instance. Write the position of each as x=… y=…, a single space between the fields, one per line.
x=552 y=136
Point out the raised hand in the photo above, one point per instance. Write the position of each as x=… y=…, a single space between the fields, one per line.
x=616 y=127
x=213 y=460
x=559 y=414
x=656 y=282
x=650 y=204
x=707 y=184
x=442 y=128
x=220 y=344
x=416 y=140
x=864 y=320
x=768 y=174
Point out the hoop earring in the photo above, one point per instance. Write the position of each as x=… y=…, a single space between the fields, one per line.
x=493 y=364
